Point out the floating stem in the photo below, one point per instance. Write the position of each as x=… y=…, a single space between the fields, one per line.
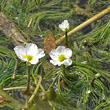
x=13 y=88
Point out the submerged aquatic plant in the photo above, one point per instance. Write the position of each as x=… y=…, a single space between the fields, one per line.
x=65 y=27
x=82 y=89
x=31 y=54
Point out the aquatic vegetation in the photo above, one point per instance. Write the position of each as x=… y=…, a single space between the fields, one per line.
x=31 y=54
x=83 y=83
x=65 y=27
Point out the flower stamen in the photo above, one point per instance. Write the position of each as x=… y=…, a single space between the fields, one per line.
x=61 y=58
x=29 y=57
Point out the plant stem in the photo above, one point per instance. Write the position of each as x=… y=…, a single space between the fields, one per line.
x=63 y=69
x=66 y=39
x=13 y=88
x=15 y=69
x=42 y=88
x=35 y=91
x=28 y=84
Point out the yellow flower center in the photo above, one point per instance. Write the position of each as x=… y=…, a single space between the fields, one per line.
x=61 y=58
x=29 y=57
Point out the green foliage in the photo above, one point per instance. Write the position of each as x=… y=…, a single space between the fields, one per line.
x=78 y=81
x=6 y=63
x=91 y=54
x=44 y=14
x=7 y=66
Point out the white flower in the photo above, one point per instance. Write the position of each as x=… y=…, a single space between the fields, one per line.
x=30 y=53
x=64 y=26
x=61 y=55
x=88 y=91
x=97 y=75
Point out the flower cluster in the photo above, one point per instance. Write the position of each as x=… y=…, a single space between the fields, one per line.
x=30 y=53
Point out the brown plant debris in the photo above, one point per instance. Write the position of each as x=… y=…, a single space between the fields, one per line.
x=3 y=99
x=11 y=31
x=49 y=43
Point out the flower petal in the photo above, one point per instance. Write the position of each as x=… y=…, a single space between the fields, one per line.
x=68 y=52
x=61 y=27
x=31 y=49
x=54 y=62
x=60 y=49
x=64 y=25
x=54 y=54
x=67 y=62
x=20 y=52
x=40 y=53
x=35 y=60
